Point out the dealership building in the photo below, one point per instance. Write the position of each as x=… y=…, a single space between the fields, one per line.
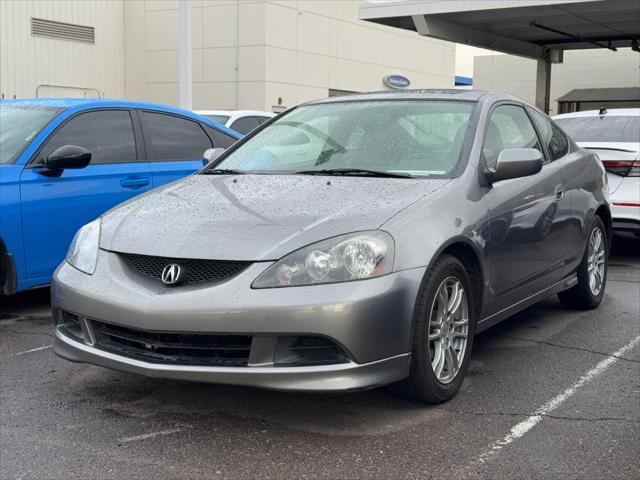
x=259 y=54
x=270 y=55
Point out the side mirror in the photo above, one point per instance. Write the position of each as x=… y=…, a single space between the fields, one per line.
x=210 y=154
x=68 y=156
x=516 y=163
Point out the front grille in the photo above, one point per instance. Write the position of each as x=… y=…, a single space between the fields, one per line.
x=173 y=347
x=195 y=270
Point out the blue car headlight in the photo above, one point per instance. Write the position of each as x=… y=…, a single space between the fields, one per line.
x=355 y=256
x=83 y=251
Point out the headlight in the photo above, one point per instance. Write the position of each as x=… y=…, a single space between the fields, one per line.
x=355 y=256
x=83 y=251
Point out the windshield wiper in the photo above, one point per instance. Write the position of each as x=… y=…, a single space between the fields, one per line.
x=356 y=172
x=222 y=171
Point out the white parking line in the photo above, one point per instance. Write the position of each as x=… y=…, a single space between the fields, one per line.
x=145 y=436
x=523 y=427
x=37 y=349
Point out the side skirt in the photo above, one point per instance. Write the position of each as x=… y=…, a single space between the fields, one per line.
x=562 y=285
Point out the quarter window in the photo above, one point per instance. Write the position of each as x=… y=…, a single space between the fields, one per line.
x=174 y=138
x=552 y=136
x=107 y=134
x=220 y=139
x=245 y=124
x=509 y=127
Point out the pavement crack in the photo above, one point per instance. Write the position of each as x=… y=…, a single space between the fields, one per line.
x=545 y=415
x=569 y=347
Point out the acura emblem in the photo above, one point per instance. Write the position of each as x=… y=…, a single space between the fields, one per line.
x=171 y=274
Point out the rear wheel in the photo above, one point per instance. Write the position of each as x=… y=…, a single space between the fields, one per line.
x=592 y=272
x=443 y=334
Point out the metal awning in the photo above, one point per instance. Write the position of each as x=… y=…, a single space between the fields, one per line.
x=529 y=29
x=628 y=94
x=538 y=29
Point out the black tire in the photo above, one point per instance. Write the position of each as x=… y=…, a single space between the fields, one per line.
x=422 y=384
x=581 y=296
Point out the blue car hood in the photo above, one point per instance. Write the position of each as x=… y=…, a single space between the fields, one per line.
x=254 y=217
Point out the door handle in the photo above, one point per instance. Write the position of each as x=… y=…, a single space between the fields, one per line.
x=135 y=182
x=559 y=192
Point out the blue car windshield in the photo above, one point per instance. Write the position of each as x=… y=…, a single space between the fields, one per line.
x=412 y=138
x=18 y=126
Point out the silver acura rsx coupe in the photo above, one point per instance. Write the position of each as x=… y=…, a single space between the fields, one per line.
x=346 y=244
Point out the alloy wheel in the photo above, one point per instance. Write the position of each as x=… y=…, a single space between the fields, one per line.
x=448 y=329
x=595 y=261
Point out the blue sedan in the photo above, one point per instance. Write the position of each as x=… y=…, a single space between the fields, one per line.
x=64 y=162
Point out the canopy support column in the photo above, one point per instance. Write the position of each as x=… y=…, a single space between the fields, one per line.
x=543 y=84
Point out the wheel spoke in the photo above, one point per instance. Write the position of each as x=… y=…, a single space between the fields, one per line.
x=448 y=360
x=440 y=363
x=434 y=335
x=453 y=355
x=457 y=293
x=443 y=297
x=460 y=322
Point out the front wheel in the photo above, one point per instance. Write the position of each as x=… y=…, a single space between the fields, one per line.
x=444 y=327
x=592 y=272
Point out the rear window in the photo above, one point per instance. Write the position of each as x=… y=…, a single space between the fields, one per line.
x=218 y=118
x=603 y=128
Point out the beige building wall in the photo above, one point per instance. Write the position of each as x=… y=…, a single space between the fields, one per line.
x=580 y=69
x=38 y=66
x=287 y=52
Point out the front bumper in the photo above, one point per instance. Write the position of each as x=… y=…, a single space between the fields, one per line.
x=343 y=376
x=370 y=320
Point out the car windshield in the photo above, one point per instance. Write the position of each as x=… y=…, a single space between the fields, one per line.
x=602 y=128
x=18 y=126
x=218 y=118
x=397 y=138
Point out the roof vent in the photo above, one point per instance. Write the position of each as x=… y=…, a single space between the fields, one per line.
x=63 y=31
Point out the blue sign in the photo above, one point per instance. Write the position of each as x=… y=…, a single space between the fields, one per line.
x=397 y=82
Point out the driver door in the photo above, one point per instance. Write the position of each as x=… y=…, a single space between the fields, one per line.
x=526 y=247
x=55 y=207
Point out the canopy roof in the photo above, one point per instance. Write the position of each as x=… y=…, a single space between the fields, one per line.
x=601 y=95
x=531 y=29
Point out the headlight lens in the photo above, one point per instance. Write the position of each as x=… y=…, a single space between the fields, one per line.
x=83 y=251
x=355 y=256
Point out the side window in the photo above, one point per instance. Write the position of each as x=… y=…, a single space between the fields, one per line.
x=245 y=124
x=552 y=136
x=174 y=138
x=219 y=139
x=263 y=119
x=509 y=127
x=107 y=134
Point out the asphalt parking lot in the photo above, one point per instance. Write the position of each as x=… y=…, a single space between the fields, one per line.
x=551 y=393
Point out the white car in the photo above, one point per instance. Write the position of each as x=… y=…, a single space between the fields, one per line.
x=242 y=121
x=615 y=135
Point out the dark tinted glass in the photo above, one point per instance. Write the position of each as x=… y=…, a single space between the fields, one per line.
x=174 y=138
x=245 y=124
x=509 y=127
x=107 y=134
x=552 y=136
x=220 y=139
x=263 y=119
x=603 y=128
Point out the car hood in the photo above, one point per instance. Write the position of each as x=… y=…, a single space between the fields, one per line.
x=254 y=217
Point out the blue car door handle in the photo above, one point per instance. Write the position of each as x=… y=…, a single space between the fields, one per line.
x=135 y=182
